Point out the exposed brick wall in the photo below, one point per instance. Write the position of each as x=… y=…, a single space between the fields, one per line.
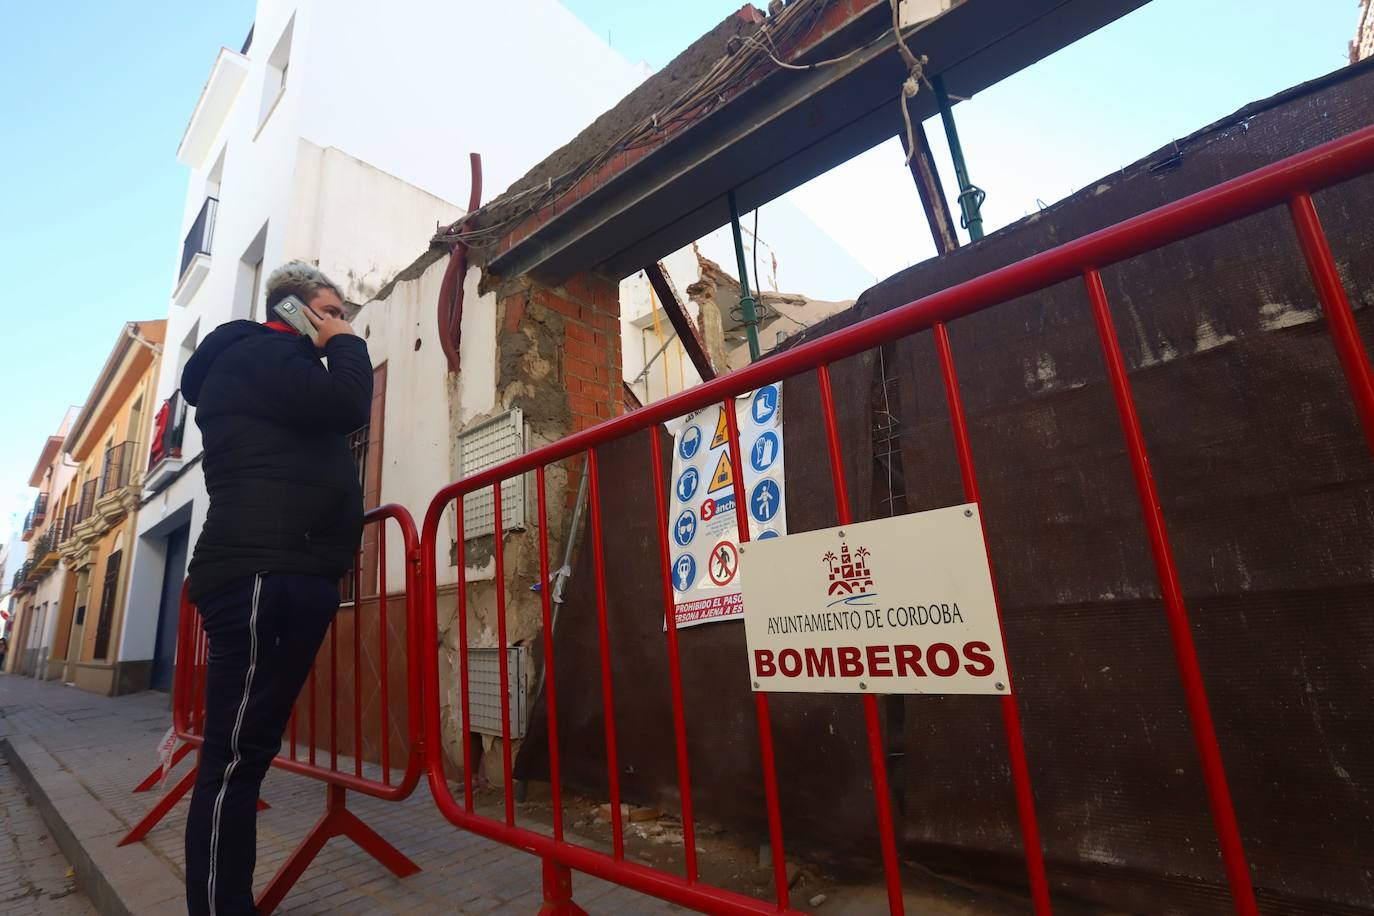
x=590 y=350
x=559 y=355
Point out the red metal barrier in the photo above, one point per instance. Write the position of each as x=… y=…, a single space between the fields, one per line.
x=1288 y=182
x=188 y=704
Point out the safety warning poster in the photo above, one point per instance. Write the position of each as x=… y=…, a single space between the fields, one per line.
x=702 y=525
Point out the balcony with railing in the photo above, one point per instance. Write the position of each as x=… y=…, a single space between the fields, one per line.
x=117 y=468
x=45 y=550
x=40 y=509
x=27 y=531
x=117 y=494
x=21 y=577
x=81 y=523
x=195 y=252
x=85 y=507
x=68 y=522
x=164 y=457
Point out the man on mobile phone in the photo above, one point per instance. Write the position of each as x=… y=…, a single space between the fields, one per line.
x=284 y=521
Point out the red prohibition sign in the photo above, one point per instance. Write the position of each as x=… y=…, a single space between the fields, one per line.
x=723 y=563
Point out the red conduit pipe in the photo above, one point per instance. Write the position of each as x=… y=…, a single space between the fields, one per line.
x=450 y=306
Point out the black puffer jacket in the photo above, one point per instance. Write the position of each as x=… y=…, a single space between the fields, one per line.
x=284 y=492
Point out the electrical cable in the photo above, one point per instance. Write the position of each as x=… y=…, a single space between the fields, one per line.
x=745 y=54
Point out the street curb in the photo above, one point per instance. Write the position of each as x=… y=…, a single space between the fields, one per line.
x=120 y=881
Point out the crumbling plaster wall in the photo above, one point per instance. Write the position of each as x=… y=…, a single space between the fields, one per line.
x=553 y=353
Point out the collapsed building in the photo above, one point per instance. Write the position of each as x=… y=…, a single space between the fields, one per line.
x=1258 y=454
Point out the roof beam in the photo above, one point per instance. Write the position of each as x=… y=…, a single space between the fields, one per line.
x=790 y=127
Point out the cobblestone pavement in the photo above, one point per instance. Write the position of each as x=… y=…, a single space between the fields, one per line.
x=110 y=744
x=34 y=877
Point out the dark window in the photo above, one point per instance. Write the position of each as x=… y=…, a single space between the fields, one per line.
x=357 y=444
x=107 y=602
x=366 y=445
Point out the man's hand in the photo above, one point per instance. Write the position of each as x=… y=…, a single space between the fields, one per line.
x=325 y=328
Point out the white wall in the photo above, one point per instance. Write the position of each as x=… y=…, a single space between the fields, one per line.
x=413 y=86
x=359 y=224
x=415 y=437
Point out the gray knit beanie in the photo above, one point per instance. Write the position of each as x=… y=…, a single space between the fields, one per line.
x=299 y=279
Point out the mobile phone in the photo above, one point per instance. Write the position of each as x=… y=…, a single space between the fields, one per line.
x=292 y=311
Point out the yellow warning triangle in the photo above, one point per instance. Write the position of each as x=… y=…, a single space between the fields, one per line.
x=724 y=475
x=722 y=432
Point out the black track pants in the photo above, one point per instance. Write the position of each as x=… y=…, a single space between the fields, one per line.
x=264 y=632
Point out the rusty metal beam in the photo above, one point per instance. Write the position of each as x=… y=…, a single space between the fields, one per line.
x=681 y=321
x=932 y=193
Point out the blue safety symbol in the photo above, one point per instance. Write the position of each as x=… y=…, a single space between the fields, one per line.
x=685 y=528
x=684 y=572
x=691 y=441
x=687 y=485
x=764 y=452
x=765 y=404
x=766 y=534
x=765 y=501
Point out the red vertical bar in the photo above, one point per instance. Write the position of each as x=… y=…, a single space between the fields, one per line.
x=1204 y=732
x=503 y=664
x=291 y=728
x=193 y=678
x=334 y=694
x=382 y=651
x=768 y=758
x=684 y=781
x=313 y=741
x=461 y=611
x=202 y=660
x=204 y=668
x=357 y=664
x=1336 y=305
x=1011 y=715
x=550 y=706
x=603 y=632
x=877 y=755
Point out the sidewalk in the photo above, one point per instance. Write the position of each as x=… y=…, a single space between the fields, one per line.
x=102 y=747
x=34 y=876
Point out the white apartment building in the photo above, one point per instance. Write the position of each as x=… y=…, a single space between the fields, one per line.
x=337 y=134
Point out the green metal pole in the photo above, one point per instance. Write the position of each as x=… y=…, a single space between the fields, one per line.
x=970 y=197
x=746 y=301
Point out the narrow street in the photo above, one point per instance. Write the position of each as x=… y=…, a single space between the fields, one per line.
x=34 y=876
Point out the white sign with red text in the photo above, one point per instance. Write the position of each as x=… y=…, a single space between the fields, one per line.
x=703 y=527
x=895 y=605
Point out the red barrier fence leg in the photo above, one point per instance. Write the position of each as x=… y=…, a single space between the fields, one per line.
x=1180 y=629
x=167 y=803
x=336 y=821
x=558 y=892
x=164 y=804
x=155 y=777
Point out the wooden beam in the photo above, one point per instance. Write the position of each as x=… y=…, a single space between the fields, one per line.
x=681 y=321
x=932 y=194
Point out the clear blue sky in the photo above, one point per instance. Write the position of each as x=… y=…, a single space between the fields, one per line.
x=94 y=98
